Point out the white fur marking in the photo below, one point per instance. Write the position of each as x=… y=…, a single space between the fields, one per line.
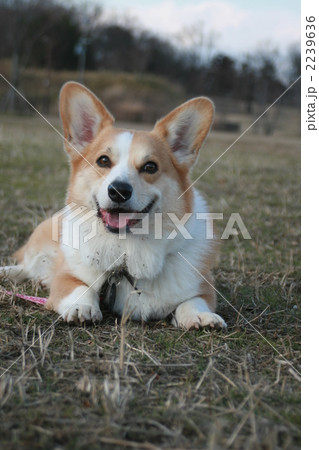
x=122 y=148
x=123 y=143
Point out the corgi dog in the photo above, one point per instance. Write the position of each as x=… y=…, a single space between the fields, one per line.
x=123 y=177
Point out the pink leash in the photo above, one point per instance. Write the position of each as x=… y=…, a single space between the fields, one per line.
x=30 y=298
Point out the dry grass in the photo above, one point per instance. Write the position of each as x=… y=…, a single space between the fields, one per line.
x=150 y=386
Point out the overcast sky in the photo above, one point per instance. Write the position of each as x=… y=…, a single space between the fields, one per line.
x=239 y=26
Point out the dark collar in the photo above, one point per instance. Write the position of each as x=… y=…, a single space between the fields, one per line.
x=114 y=278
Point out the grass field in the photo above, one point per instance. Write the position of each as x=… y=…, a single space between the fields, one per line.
x=237 y=389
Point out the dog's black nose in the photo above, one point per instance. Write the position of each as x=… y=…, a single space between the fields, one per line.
x=119 y=191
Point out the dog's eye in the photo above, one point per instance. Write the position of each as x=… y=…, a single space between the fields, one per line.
x=150 y=167
x=104 y=161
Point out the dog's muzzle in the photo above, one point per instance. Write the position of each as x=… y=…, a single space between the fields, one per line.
x=117 y=219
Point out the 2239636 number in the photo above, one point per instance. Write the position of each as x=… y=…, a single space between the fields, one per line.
x=310 y=43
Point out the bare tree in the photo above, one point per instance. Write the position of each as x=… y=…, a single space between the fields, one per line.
x=198 y=43
x=87 y=16
x=25 y=23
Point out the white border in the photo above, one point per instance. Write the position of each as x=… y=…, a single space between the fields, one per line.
x=310 y=247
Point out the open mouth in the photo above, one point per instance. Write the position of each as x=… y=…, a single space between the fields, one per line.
x=119 y=218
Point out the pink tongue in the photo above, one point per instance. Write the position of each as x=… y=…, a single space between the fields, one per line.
x=118 y=220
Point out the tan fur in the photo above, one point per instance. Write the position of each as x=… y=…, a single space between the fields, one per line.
x=39 y=239
x=207 y=292
x=19 y=254
x=63 y=283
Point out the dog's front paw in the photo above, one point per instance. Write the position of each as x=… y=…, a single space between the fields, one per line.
x=201 y=320
x=83 y=312
x=80 y=306
x=196 y=314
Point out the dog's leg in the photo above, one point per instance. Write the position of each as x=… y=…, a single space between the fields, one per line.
x=36 y=259
x=74 y=300
x=196 y=313
x=13 y=273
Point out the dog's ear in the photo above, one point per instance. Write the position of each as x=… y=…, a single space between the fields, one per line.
x=186 y=127
x=83 y=116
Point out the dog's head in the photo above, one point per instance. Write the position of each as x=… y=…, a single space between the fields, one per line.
x=123 y=172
